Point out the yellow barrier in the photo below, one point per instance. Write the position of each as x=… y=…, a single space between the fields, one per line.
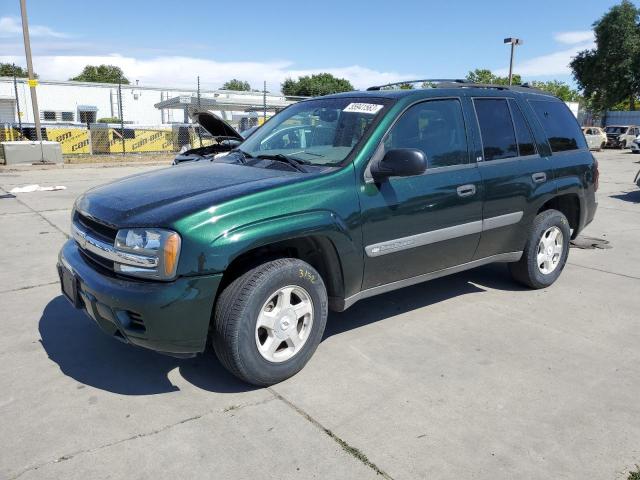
x=103 y=138
x=72 y=140
x=10 y=134
x=136 y=140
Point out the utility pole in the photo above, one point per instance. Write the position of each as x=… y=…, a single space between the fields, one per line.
x=124 y=150
x=15 y=89
x=264 y=102
x=199 y=108
x=32 y=81
x=513 y=41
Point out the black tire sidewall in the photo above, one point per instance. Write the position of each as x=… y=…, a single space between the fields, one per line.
x=254 y=366
x=547 y=219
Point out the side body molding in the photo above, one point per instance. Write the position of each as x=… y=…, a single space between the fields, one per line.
x=442 y=234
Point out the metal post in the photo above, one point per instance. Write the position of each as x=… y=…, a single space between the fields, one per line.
x=15 y=88
x=513 y=41
x=264 y=103
x=198 y=126
x=32 y=80
x=513 y=47
x=124 y=150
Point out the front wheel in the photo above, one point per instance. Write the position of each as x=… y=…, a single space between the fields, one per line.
x=546 y=251
x=269 y=321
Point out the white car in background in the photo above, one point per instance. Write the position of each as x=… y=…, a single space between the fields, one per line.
x=596 y=138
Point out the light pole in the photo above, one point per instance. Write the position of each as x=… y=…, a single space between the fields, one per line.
x=513 y=41
x=32 y=81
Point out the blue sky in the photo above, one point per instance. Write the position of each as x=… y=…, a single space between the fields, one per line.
x=169 y=43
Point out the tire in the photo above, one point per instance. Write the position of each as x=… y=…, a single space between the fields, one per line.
x=257 y=297
x=527 y=270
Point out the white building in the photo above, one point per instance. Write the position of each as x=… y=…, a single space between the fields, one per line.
x=80 y=103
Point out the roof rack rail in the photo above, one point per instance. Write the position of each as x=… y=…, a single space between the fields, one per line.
x=423 y=80
x=460 y=83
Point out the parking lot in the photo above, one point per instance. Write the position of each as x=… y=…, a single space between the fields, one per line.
x=469 y=376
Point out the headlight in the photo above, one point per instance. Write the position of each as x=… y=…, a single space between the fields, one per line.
x=162 y=245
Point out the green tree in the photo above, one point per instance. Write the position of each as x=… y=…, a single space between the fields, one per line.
x=484 y=75
x=610 y=73
x=101 y=74
x=315 y=85
x=237 y=85
x=7 y=70
x=560 y=89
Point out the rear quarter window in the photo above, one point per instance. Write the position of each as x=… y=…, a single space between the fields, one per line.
x=559 y=124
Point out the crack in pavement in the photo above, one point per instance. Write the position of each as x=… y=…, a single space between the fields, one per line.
x=353 y=451
x=39 y=211
x=39 y=214
x=69 y=456
x=604 y=271
x=28 y=287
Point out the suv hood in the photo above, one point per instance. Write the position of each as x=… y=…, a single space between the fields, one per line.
x=164 y=196
x=215 y=125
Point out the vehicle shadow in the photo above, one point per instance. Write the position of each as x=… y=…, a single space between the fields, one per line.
x=382 y=307
x=84 y=353
x=633 y=196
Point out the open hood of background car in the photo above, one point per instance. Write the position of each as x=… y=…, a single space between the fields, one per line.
x=215 y=125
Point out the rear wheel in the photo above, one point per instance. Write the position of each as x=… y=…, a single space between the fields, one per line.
x=546 y=251
x=269 y=321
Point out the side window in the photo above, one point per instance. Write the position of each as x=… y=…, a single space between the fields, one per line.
x=526 y=145
x=559 y=124
x=496 y=128
x=437 y=128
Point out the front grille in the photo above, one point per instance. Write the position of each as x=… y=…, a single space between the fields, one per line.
x=97 y=229
x=97 y=261
x=101 y=232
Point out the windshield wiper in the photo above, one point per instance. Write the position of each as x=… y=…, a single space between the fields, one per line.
x=295 y=163
x=243 y=155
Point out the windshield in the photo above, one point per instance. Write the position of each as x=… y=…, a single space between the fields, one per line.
x=317 y=132
x=616 y=129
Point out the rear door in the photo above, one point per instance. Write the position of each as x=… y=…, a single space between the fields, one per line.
x=421 y=224
x=513 y=171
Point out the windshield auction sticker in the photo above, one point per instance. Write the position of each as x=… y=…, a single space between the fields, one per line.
x=370 y=108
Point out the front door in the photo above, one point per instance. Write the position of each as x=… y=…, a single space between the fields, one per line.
x=421 y=224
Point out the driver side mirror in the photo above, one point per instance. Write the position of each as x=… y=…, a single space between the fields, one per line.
x=400 y=162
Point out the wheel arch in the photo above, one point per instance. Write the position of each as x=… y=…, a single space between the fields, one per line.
x=569 y=204
x=319 y=238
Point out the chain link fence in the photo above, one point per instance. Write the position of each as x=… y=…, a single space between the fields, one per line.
x=118 y=126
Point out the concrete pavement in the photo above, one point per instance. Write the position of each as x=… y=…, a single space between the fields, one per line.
x=468 y=376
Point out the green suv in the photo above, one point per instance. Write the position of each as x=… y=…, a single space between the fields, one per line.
x=335 y=199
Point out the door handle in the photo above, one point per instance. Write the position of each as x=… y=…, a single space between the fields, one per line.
x=539 y=177
x=466 y=190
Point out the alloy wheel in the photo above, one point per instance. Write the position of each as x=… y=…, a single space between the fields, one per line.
x=284 y=323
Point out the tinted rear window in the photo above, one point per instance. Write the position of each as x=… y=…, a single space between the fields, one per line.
x=526 y=145
x=559 y=124
x=496 y=128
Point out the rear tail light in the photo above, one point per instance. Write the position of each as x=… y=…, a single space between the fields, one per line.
x=596 y=174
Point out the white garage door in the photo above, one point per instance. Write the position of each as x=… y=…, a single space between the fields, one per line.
x=7 y=111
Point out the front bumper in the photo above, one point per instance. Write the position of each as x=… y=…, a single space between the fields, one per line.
x=613 y=142
x=169 y=317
